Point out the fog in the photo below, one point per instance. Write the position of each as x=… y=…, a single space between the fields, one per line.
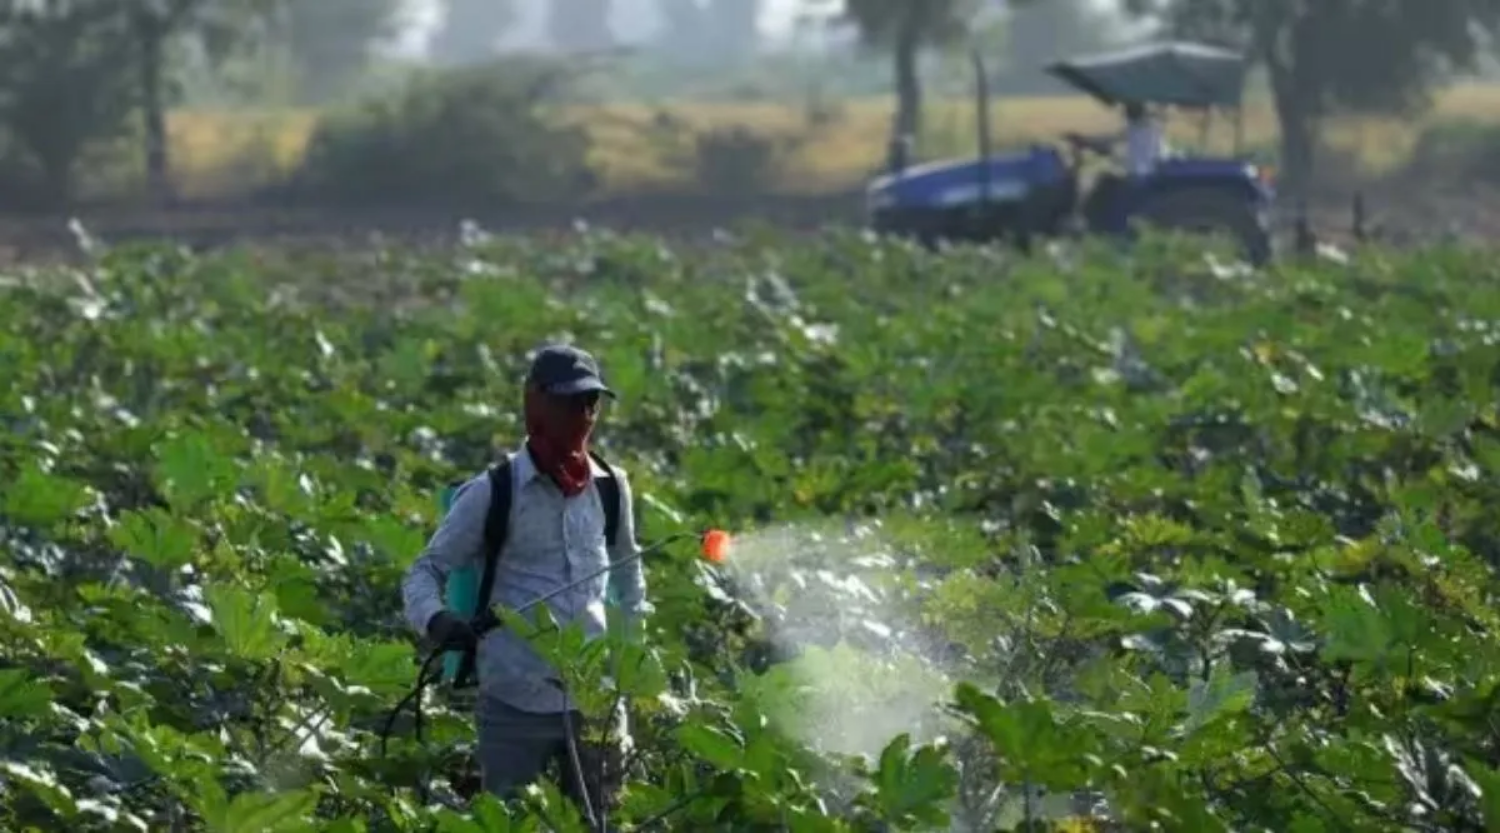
x=633 y=21
x=636 y=23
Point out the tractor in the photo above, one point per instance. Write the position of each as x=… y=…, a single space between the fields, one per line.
x=1035 y=192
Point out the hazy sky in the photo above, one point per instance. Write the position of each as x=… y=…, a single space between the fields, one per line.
x=633 y=18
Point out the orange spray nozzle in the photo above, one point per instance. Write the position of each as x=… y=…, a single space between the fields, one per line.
x=716 y=544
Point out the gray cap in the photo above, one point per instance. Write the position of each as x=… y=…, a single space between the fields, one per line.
x=564 y=370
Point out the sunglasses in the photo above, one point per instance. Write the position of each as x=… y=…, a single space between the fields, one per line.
x=588 y=401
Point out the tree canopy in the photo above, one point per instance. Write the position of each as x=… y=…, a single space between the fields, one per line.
x=904 y=28
x=329 y=42
x=62 y=89
x=76 y=70
x=1336 y=56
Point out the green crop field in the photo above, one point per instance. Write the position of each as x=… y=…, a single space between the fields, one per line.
x=1096 y=541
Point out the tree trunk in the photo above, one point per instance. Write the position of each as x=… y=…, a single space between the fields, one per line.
x=1298 y=149
x=1288 y=44
x=57 y=166
x=908 y=121
x=150 y=38
x=1298 y=122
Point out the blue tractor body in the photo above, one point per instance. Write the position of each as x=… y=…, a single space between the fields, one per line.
x=1035 y=192
x=1009 y=178
x=1025 y=192
x=1232 y=180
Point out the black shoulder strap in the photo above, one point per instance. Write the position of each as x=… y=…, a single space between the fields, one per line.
x=496 y=526
x=609 y=495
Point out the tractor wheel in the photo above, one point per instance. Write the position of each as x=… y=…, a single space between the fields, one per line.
x=1206 y=211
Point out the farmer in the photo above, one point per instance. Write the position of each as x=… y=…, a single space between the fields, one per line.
x=556 y=535
x=1144 y=142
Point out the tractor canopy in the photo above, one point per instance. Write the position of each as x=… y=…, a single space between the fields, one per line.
x=1179 y=73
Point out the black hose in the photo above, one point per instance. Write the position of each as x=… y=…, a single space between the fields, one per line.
x=483 y=623
x=571 y=741
x=414 y=697
x=429 y=673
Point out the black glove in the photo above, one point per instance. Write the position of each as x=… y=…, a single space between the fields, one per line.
x=451 y=633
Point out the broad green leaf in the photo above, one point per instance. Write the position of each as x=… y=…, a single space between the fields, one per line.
x=562 y=815
x=296 y=588
x=283 y=487
x=914 y=786
x=1224 y=693
x=1308 y=823
x=21 y=696
x=38 y=499
x=385 y=668
x=1356 y=629
x=711 y=745
x=190 y=470
x=488 y=816
x=1028 y=737
x=269 y=812
x=246 y=621
x=637 y=670
x=394 y=540
x=157 y=537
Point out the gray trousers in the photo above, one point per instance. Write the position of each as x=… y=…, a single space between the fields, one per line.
x=516 y=747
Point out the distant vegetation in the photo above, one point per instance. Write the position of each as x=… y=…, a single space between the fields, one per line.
x=824 y=143
x=284 y=98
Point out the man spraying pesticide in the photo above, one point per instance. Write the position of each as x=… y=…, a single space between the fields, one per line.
x=551 y=523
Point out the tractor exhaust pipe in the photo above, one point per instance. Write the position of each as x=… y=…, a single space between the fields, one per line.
x=982 y=119
x=898 y=154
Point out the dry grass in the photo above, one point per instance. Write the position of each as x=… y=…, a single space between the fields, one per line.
x=216 y=150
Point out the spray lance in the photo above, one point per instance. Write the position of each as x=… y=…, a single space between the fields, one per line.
x=714 y=547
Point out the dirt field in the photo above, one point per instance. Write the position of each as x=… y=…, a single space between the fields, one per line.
x=1399 y=215
x=35 y=239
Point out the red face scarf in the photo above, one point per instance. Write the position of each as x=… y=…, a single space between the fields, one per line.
x=557 y=436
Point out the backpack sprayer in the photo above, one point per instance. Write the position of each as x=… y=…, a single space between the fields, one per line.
x=714 y=546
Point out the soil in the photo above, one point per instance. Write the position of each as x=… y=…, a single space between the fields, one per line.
x=39 y=238
x=1396 y=212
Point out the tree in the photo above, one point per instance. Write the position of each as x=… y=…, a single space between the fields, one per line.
x=329 y=41
x=470 y=30
x=152 y=28
x=1333 y=56
x=75 y=44
x=62 y=89
x=904 y=28
x=465 y=137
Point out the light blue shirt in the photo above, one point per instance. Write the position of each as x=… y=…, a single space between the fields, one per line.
x=553 y=540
